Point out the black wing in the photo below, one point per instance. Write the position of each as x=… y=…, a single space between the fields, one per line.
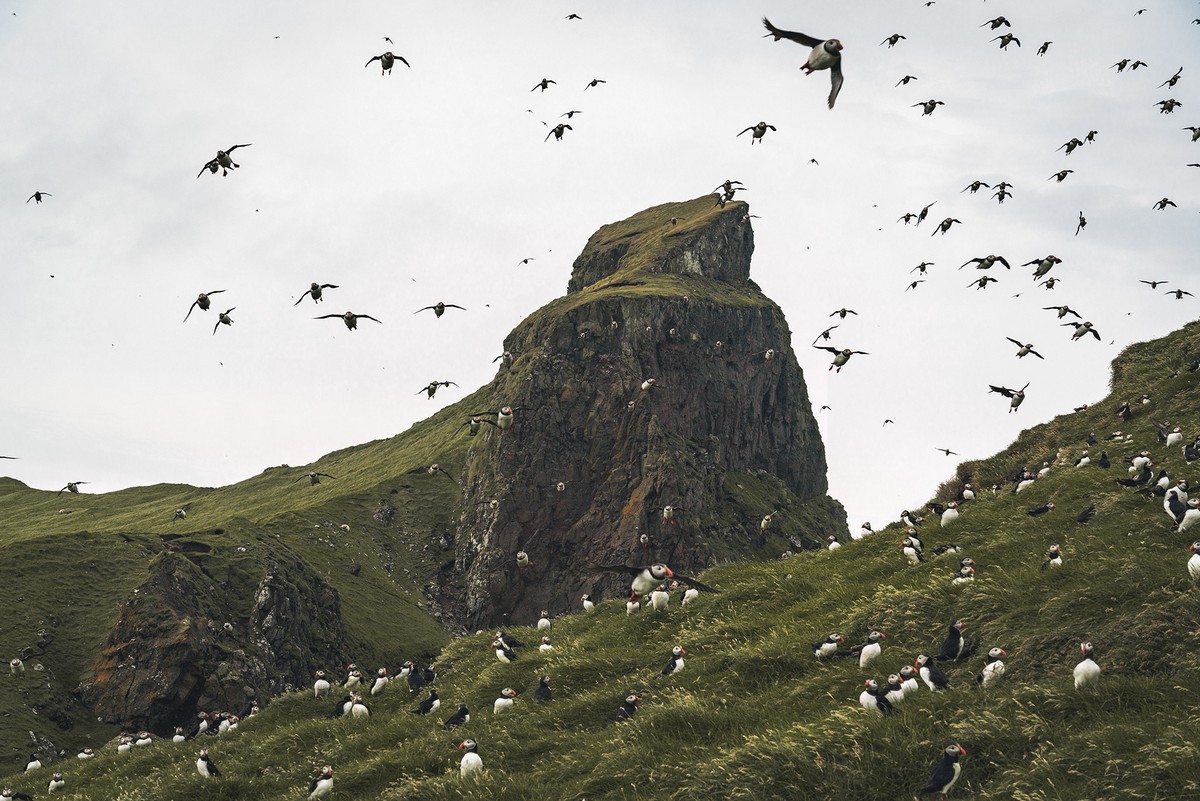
x=691 y=582
x=795 y=36
x=835 y=76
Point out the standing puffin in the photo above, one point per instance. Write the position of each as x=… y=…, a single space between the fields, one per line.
x=871 y=650
x=358 y=709
x=675 y=664
x=471 y=763
x=946 y=773
x=894 y=691
x=179 y=736
x=460 y=718
x=503 y=652
x=993 y=667
x=429 y=705
x=381 y=681
x=33 y=764
x=1054 y=558
x=56 y=783
x=660 y=598
x=545 y=645
x=508 y=697
x=588 y=605
x=828 y=646
x=205 y=766
x=322 y=785
x=911 y=550
x=873 y=699
x=950 y=515
x=1193 y=564
x=908 y=675
x=629 y=708
x=543 y=624
x=930 y=673
x=953 y=645
x=1087 y=672
x=826 y=55
x=543 y=693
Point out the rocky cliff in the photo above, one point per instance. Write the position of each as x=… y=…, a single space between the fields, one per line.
x=663 y=378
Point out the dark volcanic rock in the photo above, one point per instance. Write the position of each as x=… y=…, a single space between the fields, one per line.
x=726 y=436
x=181 y=644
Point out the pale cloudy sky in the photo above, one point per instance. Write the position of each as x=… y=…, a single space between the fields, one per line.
x=432 y=183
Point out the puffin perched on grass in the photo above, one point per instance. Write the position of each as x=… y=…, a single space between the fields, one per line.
x=945 y=773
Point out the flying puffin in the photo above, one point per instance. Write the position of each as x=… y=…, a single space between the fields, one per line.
x=508 y=697
x=1054 y=558
x=543 y=693
x=38 y=195
x=202 y=301
x=954 y=644
x=439 y=308
x=223 y=319
x=945 y=225
x=471 y=763
x=322 y=785
x=1024 y=349
x=429 y=705
x=1087 y=672
x=945 y=773
x=349 y=318
x=840 y=357
x=222 y=162
x=828 y=646
x=205 y=766
x=873 y=699
x=629 y=708
x=826 y=54
x=387 y=61
x=315 y=291
x=759 y=131
x=993 y=667
x=72 y=487
x=460 y=718
x=646 y=579
x=1017 y=396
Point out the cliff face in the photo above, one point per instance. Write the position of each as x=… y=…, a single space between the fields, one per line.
x=181 y=644
x=724 y=436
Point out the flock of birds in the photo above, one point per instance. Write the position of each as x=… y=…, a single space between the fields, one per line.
x=651 y=586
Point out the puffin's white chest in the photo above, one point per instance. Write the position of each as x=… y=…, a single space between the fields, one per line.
x=1194 y=567
x=471 y=763
x=1087 y=674
x=821 y=59
x=869 y=654
x=992 y=672
x=948 y=517
x=502 y=705
x=659 y=600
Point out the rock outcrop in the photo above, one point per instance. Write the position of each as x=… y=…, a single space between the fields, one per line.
x=724 y=434
x=184 y=642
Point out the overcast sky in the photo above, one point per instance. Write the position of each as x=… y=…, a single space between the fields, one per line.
x=433 y=182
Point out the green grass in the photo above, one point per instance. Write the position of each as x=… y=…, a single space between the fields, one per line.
x=755 y=716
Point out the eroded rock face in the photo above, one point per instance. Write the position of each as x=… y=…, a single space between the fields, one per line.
x=725 y=435
x=180 y=644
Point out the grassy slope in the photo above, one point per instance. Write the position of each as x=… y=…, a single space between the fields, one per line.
x=754 y=716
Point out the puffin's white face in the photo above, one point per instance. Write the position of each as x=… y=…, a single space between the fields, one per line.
x=996 y=653
x=871 y=684
x=506 y=410
x=678 y=650
x=632 y=699
x=660 y=572
x=1086 y=648
x=467 y=745
x=955 y=750
x=833 y=45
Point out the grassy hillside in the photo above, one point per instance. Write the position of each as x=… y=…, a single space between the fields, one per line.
x=755 y=716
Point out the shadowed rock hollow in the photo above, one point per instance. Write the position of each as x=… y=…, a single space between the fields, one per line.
x=725 y=436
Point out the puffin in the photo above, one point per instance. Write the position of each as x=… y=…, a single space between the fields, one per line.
x=834 y=544
x=88 y=753
x=826 y=54
x=432 y=387
x=72 y=487
x=179 y=735
x=543 y=693
x=646 y=579
x=675 y=664
x=8 y=795
x=828 y=646
x=429 y=705
x=315 y=291
x=1025 y=349
x=202 y=301
x=543 y=624
x=223 y=319
x=871 y=650
x=911 y=551
x=1084 y=460
x=322 y=785
x=1082 y=329
x=1054 y=558
x=414 y=677
x=38 y=195
x=965 y=575
x=908 y=676
x=557 y=132
x=840 y=357
x=950 y=515
x=508 y=697
x=993 y=667
x=759 y=131
x=954 y=644
x=1193 y=563
x=33 y=764
x=945 y=773
x=945 y=225
x=894 y=690
x=358 y=709
x=588 y=605
x=381 y=681
x=205 y=766
x=1087 y=672
x=342 y=707
x=1016 y=396
x=543 y=84
x=874 y=699
x=144 y=738
x=503 y=652
x=928 y=107
x=1187 y=514
x=222 y=162
x=56 y=783
x=629 y=708
x=349 y=318
x=353 y=678
x=16 y=666
x=387 y=61
x=124 y=744
x=471 y=763
x=545 y=645
x=439 y=308
x=460 y=718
